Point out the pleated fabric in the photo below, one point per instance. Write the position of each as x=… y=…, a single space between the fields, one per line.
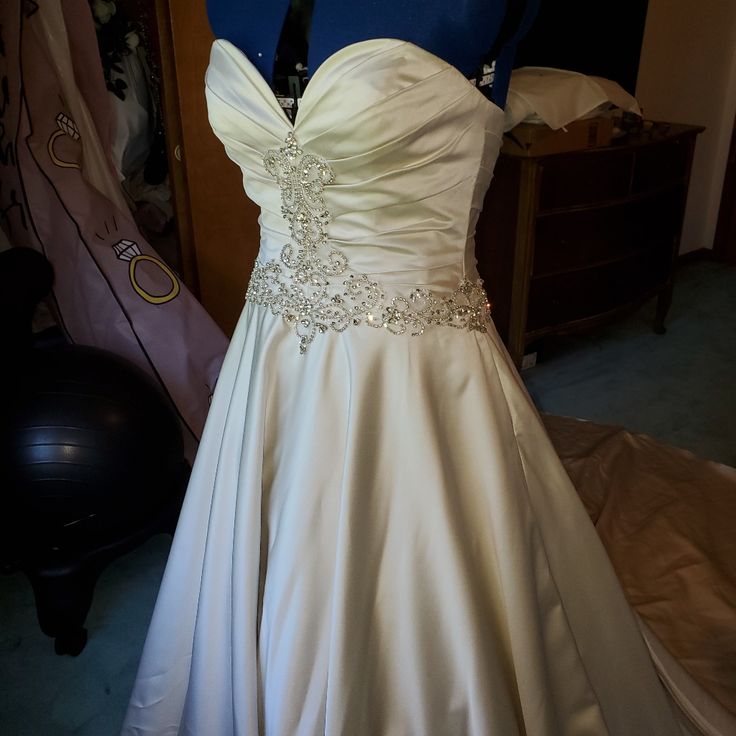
x=378 y=538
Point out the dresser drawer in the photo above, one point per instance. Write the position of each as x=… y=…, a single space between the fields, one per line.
x=589 y=178
x=569 y=241
x=566 y=298
x=660 y=165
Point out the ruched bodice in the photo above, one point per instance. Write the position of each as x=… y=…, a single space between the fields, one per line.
x=410 y=141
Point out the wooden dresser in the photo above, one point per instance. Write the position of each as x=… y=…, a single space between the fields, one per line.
x=570 y=240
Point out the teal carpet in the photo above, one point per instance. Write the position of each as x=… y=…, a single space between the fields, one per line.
x=678 y=388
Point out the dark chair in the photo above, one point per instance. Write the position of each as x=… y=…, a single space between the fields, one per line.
x=91 y=458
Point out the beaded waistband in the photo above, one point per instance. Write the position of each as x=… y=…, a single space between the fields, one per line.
x=312 y=286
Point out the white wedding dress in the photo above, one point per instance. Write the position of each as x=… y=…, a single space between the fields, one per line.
x=378 y=538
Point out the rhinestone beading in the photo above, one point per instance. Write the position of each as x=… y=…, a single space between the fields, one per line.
x=311 y=285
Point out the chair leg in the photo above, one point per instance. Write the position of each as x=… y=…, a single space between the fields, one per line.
x=63 y=588
x=63 y=599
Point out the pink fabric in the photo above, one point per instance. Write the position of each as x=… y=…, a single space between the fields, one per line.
x=111 y=288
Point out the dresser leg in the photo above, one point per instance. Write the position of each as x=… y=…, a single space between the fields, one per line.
x=516 y=351
x=664 y=301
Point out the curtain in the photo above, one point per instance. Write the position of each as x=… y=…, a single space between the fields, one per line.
x=59 y=193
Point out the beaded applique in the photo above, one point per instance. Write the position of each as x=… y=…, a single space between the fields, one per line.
x=311 y=285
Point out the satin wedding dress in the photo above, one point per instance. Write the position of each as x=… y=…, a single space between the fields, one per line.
x=378 y=538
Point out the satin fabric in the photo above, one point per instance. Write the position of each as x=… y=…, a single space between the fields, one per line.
x=378 y=538
x=643 y=496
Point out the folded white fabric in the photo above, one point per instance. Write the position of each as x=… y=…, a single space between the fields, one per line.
x=556 y=97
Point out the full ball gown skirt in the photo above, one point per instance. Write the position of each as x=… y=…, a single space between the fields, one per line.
x=378 y=538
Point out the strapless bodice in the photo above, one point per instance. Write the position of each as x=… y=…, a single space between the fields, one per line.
x=392 y=151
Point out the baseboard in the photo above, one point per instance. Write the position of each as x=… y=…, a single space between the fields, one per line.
x=699 y=254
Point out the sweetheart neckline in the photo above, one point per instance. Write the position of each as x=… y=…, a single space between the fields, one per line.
x=332 y=58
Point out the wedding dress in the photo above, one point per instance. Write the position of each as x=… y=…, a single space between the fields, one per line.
x=378 y=538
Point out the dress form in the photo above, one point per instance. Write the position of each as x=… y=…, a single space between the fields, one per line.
x=465 y=34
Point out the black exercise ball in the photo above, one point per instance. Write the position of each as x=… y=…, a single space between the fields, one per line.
x=88 y=443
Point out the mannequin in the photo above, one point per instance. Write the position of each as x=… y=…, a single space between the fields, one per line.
x=465 y=34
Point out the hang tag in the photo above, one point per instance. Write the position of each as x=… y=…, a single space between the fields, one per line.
x=487 y=75
x=290 y=102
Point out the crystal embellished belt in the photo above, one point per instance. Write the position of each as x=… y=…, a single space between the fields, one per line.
x=312 y=286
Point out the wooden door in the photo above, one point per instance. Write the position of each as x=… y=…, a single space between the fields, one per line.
x=217 y=223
